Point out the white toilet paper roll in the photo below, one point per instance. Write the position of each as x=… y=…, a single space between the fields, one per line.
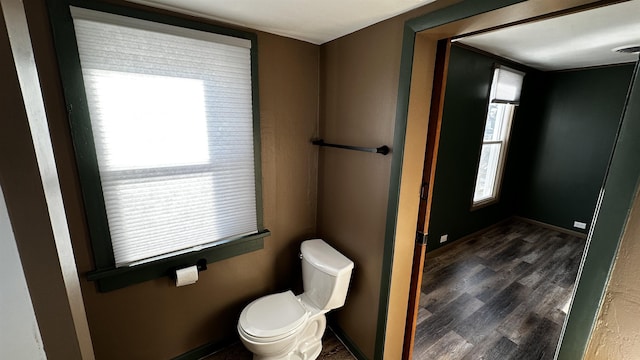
x=187 y=276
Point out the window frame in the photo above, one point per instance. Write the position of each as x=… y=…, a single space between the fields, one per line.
x=510 y=108
x=107 y=276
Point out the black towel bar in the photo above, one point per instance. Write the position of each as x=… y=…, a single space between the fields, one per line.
x=384 y=149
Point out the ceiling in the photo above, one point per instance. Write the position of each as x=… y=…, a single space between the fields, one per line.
x=314 y=21
x=573 y=41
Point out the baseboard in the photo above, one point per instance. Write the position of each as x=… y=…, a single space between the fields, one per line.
x=346 y=341
x=465 y=238
x=468 y=237
x=204 y=350
x=552 y=227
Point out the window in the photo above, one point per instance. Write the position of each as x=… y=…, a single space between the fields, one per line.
x=167 y=145
x=504 y=97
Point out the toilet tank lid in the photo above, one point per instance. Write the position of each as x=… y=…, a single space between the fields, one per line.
x=325 y=258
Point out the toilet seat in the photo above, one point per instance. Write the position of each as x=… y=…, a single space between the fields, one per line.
x=272 y=317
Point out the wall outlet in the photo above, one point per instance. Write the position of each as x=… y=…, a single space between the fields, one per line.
x=444 y=238
x=579 y=225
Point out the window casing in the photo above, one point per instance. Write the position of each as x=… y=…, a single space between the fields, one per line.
x=504 y=97
x=166 y=132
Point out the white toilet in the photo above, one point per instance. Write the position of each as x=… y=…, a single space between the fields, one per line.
x=285 y=326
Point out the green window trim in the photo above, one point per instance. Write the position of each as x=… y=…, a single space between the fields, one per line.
x=107 y=276
x=115 y=278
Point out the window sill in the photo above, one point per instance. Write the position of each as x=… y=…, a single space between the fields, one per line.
x=115 y=278
x=484 y=203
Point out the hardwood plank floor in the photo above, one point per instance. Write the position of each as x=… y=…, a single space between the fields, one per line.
x=500 y=295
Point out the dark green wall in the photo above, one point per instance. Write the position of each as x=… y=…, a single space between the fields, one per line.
x=571 y=137
x=465 y=106
x=620 y=187
x=561 y=142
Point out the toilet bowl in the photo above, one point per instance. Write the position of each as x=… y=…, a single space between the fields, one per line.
x=285 y=326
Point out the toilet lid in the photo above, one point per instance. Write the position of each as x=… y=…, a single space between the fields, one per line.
x=273 y=315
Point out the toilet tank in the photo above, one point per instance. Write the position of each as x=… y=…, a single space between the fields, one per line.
x=325 y=274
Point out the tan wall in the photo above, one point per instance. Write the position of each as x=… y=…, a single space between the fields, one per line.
x=616 y=335
x=156 y=320
x=359 y=93
x=358 y=104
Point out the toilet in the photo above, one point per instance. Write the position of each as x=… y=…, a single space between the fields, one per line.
x=285 y=326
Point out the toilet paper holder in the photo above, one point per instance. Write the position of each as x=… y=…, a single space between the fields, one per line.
x=200 y=264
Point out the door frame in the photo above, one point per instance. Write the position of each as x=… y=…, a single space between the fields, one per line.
x=443 y=49
x=615 y=199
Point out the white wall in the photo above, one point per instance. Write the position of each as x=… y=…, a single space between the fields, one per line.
x=19 y=334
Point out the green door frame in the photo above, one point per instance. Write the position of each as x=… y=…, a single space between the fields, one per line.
x=616 y=197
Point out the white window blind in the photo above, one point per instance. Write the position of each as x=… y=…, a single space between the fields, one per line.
x=171 y=115
x=506 y=87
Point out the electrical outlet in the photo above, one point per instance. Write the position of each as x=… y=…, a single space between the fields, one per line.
x=444 y=238
x=579 y=225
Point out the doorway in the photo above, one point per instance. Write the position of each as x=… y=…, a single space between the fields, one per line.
x=426 y=37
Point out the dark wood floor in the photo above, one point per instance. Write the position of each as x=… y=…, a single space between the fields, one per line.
x=501 y=295
x=332 y=349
